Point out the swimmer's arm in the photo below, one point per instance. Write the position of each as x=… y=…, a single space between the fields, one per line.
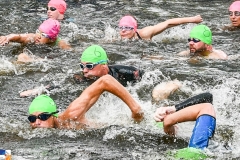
x=37 y=91
x=177 y=21
x=201 y=98
x=64 y=45
x=21 y=38
x=162 y=112
x=160 y=27
x=77 y=109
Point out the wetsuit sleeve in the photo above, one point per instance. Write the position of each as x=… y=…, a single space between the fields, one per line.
x=126 y=73
x=201 y=98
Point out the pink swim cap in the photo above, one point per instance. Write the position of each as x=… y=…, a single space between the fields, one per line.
x=60 y=5
x=51 y=27
x=235 y=6
x=128 y=21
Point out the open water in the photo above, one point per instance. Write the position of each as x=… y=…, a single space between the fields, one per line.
x=95 y=22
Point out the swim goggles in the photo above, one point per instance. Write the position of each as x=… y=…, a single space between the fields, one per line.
x=51 y=8
x=195 y=40
x=90 y=65
x=42 y=34
x=126 y=28
x=236 y=13
x=43 y=116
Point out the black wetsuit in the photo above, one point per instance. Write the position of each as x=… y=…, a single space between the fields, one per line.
x=200 y=98
x=121 y=73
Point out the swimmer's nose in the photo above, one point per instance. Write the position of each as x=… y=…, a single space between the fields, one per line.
x=39 y=36
x=38 y=122
x=85 y=70
x=191 y=42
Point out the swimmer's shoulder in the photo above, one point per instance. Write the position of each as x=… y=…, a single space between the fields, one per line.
x=219 y=54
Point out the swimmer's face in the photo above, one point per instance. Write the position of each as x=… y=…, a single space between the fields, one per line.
x=126 y=32
x=92 y=72
x=41 y=37
x=235 y=18
x=53 y=13
x=38 y=123
x=196 y=46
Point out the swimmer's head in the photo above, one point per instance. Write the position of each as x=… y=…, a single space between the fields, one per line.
x=43 y=103
x=94 y=54
x=60 y=5
x=128 y=21
x=50 y=27
x=190 y=153
x=235 y=6
x=203 y=33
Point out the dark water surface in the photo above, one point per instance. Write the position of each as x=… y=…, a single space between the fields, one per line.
x=94 y=22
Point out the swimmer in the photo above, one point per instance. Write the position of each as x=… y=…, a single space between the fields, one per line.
x=200 y=44
x=43 y=110
x=198 y=108
x=234 y=16
x=129 y=29
x=93 y=64
x=47 y=33
x=56 y=9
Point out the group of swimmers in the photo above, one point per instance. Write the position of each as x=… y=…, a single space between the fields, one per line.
x=112 y=78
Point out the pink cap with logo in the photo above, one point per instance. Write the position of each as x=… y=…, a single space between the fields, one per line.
x=235 y=6
x=60 y=5
x=128 y=21
x=51 y=27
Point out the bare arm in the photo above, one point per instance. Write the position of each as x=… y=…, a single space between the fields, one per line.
x=150 y=31
x=38 y=90
x=77 y=109
x=198 y=99
x=21 y=38
x=187 y=114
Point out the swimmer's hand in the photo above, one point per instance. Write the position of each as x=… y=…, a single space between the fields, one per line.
x=138 y=116
x=4 y=40
x=162 y=112
x=197 y=19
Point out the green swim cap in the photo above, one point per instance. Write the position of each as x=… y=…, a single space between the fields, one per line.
x=43 y=103
x=159 y=124
x=203 y=33
x=190 y=153
x=94 y=54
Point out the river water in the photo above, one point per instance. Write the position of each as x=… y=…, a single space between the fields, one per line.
x=95 y=22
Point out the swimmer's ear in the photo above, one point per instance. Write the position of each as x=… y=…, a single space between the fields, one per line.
x=104 y=66
x=209 y=47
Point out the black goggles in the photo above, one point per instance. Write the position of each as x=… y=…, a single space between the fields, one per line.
x=43 y=116
x=91 y=65
x=195 y=40
x=236 y=13
x=51 y=8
